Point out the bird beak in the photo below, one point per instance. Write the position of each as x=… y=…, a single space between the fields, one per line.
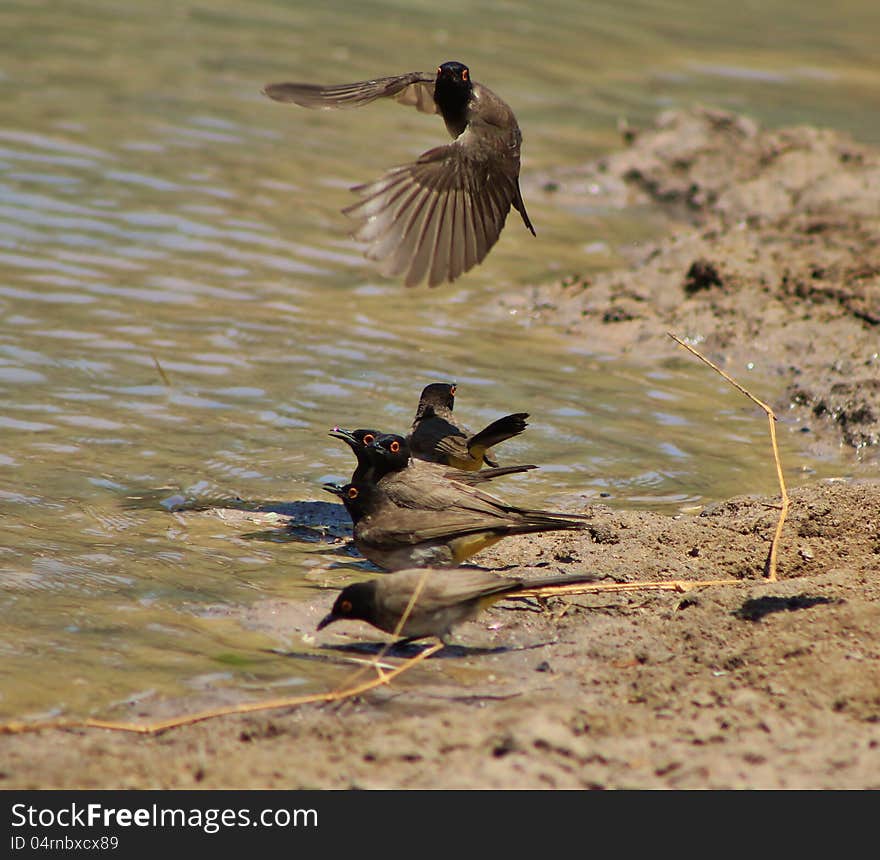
x=327 y=619
x=340 y=433
x=333 y=488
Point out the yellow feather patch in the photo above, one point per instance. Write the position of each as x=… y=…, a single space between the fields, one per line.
x=464 y=547
x=472 y=464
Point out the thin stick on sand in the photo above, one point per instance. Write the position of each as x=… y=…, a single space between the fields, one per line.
x=245 y=708
x=770 y=566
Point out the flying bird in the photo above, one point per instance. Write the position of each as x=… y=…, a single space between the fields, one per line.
x=438 y=217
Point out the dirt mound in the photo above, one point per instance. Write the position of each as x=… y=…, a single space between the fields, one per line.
x=775 y=259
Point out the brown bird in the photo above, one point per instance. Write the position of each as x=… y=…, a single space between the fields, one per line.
x=437 y=217
x=438 y=436
x=420 y=519
x=431 y=602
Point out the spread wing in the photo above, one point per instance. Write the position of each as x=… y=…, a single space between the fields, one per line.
x=438 y=217
x=415 y=89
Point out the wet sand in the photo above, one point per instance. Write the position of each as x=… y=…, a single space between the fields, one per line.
x=775 y=258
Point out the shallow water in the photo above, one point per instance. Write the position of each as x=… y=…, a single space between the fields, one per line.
x=182 y=313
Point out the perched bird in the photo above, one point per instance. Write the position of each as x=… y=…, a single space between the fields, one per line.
x=375 y=463
x=437 y=435
x=439 y=216
x=431 y=602
x=423 y=519
x=400 y=472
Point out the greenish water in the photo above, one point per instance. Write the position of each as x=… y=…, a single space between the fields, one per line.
x=157 y=211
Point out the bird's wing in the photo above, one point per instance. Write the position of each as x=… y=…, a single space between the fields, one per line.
x=438 y=217
x=483 y=475
x=450 y=473
x=414 y=88
x=434 y=436
x=438 y=589
x=419 y=491
x=462 y=505
x=411 y=527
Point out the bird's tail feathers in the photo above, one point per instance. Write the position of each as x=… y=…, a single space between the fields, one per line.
x=498 y=431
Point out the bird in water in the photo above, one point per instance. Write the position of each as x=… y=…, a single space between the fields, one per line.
x=438 y=217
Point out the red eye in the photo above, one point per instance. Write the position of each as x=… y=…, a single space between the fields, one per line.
x=439 y=70
x=464 y=74
x=352 y=493
x=345 y=606
x=395 y=447
x=368 y=439
x=452 y=390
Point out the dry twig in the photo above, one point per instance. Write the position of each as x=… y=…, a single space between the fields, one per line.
x=770 y=566
x=681 y=585
x=245 y=708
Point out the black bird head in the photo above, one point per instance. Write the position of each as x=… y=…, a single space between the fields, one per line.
x=455 y=73
x=452 y=92
x=391 y=452
x=355 y=496
x=355 y=601
x=437 y=394
x=358 y=441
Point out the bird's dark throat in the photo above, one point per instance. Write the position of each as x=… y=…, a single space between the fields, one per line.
x=452 y=97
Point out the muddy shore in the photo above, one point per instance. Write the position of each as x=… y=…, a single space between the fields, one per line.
x=773 y=257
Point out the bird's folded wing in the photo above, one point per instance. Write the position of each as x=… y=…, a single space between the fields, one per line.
x=438 y=217
x=414 y=88
x=414 y=492
x=484 y=475
x=411 y=527
x=436 y=436
x=438 y=589
x=452 y=446
x=457 y=501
